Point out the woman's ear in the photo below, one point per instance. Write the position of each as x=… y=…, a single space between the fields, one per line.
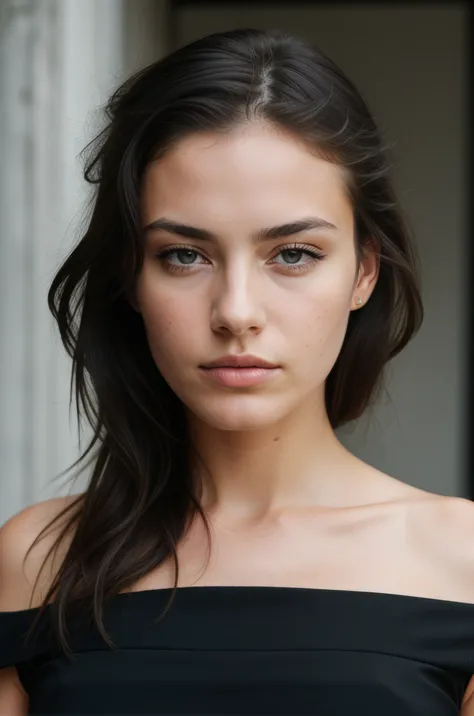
x=367 y=274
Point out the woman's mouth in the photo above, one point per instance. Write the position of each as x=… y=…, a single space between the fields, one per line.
x=239 y=377
x=240 y=371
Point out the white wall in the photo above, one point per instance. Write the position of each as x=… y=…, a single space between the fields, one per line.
x=410 y=62
x=59 y=60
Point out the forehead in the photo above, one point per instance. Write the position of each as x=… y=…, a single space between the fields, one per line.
x=255 y=171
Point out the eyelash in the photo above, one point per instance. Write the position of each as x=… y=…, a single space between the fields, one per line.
x=310 y=251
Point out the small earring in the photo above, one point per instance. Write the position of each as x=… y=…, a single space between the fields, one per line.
x=358 y=301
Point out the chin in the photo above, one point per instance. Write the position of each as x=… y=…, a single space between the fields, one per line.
x=239 y=413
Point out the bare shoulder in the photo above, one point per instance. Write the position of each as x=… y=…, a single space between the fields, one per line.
x=453 y=518
x=19 y=567
x=444 y=526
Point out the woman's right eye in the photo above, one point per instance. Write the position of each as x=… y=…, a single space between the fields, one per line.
x=179 y=258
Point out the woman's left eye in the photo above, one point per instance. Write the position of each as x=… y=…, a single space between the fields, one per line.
x=292 y=256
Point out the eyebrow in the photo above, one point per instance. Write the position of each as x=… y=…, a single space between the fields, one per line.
x=274 y=232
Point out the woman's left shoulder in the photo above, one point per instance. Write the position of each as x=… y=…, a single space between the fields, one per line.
x=453 y=516
x=445 y=527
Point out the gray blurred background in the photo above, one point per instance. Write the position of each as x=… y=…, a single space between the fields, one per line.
x=59 y=59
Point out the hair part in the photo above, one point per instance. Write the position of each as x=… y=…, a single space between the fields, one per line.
x=141 y=498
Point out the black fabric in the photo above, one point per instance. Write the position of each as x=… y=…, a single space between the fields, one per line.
x=251 y=650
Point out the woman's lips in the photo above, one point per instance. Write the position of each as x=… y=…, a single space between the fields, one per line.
x=233 y=377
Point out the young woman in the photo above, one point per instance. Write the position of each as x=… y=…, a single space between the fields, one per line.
x=245 y=278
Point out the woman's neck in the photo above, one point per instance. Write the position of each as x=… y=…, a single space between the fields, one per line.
x=297 y=463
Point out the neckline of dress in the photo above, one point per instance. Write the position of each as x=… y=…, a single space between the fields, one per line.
x=323 y=591
x=284 y=589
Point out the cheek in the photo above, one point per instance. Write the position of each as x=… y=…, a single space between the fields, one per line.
x=170 y=322
x=318 y=323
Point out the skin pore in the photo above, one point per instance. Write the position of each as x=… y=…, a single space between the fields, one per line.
x=268 y=447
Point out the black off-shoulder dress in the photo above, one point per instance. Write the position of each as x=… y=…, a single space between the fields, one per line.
x=251 y=650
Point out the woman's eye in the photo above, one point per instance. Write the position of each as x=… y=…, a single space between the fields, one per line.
x=184 y=256
x=180 y=258
x=292 y=257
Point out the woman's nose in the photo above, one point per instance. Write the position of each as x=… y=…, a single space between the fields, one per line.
x=238 y=305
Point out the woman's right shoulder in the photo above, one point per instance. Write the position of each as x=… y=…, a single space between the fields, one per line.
x=19 y=567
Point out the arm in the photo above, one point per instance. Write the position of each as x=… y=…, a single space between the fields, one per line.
x=13 y=700
x=467 y=706
x=17 y=579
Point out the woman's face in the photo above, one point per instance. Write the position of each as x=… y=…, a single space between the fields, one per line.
x=228 y=291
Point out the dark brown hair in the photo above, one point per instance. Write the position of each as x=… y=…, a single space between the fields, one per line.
x=140 y=497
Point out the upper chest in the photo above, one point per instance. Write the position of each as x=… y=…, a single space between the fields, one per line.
x=404 y=548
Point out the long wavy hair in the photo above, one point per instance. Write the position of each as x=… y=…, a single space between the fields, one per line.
x=140 y=498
